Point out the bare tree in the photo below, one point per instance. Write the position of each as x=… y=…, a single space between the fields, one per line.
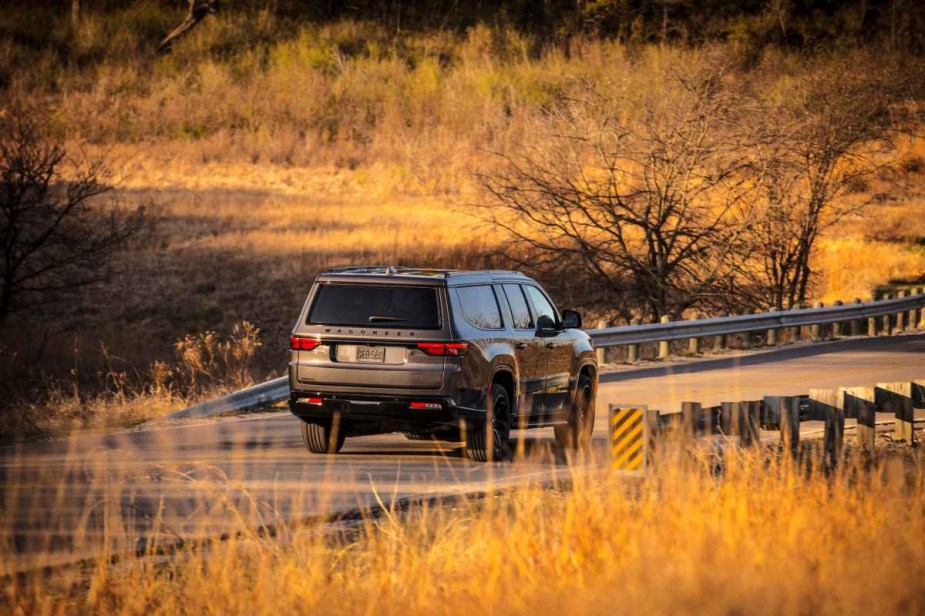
x=56 y=231
x=810 y=148
x=637 y=193
x=198 y=10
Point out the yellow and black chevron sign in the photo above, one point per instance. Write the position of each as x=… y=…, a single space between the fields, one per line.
x=628 y=438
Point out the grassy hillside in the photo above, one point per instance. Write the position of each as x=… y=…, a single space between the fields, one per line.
x=266 y=148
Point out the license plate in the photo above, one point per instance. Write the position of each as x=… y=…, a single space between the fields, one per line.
x=371 y=354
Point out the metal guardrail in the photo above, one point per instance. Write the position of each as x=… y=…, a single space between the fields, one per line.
x=268 y=392
x=277 y=389
x=721 y=326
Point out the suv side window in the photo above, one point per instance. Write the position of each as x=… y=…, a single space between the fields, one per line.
x=480 y=307
x=519 y=309
x=541 y=305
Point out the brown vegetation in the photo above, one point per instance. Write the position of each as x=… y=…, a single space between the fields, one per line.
x=751 y=534
x=270 y=149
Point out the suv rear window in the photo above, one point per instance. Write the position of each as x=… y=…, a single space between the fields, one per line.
x=387 y=306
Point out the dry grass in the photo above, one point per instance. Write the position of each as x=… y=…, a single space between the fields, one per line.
x=759 y=538
x=203 y=366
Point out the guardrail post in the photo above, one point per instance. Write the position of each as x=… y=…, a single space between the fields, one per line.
x=900 y=317
x=816 y=329
x=859 y=404
x=692 y=417
x=601 y=351
x=829 y=405
x=722 y=340
x=727 y=418
x=871 y=326
x=856 y=324
x=693 y=345
x=912 y=321
x=836 y=326
x=921 y=320
x=887 y=321
x=772 y=333
x=632 y=351
x=663 y=345
x=749 y=417
x=896 y=398
x=789 y=422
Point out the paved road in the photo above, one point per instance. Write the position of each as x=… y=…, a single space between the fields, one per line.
x=192 y=481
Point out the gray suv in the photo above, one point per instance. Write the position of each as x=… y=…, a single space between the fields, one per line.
x=451 y=355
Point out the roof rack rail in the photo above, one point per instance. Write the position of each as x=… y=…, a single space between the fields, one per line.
x=387 y=269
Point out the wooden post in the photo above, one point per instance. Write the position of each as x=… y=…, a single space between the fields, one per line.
x=772 y=333
x=693 y=345
x=856 y=324
x=836 y=326
x=601 y=351
x=912 y=321
x=749 y=418
x=632 y=352
x=922 y=311
x=900 y=317
x=728 y=418
x=691 y=417
x=771 y=408
x=859 y=404
x=663 y=345
x=896 y=398
x=829 y=406
x=834 y=436
x=790 y=423
x=723 y=339
x=871 y=326
x=816 y=330
x=886 y=320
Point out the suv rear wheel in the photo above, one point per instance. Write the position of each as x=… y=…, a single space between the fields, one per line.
x=498 y=422
x=576 y=434
x=323 y=438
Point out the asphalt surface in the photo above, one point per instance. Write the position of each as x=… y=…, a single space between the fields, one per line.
x=69 y=499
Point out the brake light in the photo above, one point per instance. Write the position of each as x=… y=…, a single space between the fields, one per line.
x=425 y=405
x=297 y=343
x=451 y=349
x=316 y=400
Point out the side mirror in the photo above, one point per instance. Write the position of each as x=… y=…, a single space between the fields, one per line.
x=571 y=319
x=545 y=326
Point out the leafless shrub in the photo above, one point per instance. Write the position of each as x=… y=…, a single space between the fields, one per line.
x=812 y=147
x=636 y=192
x=59 y=222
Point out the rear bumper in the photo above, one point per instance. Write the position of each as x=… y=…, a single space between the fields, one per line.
x=389 y=412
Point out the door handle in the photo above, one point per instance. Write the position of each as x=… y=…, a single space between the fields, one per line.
x=520 y=346
x=550 y=345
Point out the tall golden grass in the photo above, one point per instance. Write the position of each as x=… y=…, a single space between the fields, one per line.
x=761 y=536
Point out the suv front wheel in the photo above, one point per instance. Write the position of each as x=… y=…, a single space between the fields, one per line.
x=323 y=438
x=497 y=425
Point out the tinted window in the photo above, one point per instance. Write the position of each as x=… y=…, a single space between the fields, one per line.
x=386 y=306
x=540 y=304
x=479 y=306
x=515 y=297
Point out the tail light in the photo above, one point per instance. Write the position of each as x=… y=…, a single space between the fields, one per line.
x=316 y=400
x=425 y=405
x=449 y=349
x=297 y=343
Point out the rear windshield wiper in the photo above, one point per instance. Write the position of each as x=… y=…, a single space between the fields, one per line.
x=377 y=319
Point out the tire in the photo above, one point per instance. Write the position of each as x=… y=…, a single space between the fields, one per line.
x=576 y=434
x=498 y=420
x=323 y=439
